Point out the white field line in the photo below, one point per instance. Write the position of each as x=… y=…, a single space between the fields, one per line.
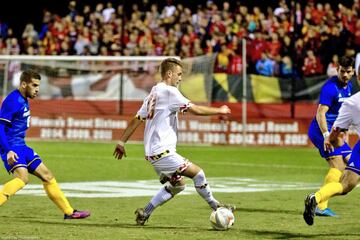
x=113 y=189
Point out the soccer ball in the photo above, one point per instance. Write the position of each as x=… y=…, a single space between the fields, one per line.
x=222 y=219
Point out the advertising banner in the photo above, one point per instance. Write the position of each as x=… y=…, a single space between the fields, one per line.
x=192 y=130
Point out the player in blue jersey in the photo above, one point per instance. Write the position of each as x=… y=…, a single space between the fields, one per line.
x=18 y=158
x=333 y=93
x=348 y=116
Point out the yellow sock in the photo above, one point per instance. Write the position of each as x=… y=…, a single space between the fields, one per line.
x=54 y=192
x=327 y=191
x=333 y=175
x=10 y=188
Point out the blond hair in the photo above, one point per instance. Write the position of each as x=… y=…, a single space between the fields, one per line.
x=169 y=64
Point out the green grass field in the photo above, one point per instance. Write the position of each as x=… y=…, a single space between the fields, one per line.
x=275 y=214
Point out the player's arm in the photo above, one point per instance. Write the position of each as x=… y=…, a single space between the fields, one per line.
x=205 y=110
x=11 y=155
x=341 y=125
x=119 y=151
x=321 y=120
x=7 y=113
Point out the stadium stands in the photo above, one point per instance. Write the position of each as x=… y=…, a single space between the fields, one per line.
x=321 y=30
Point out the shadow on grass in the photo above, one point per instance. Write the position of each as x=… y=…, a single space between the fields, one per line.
x=289 y=235
x=80 y=223
x=266 y=210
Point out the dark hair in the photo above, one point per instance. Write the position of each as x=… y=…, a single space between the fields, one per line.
x=169 y=64
x=346 y=61
x=29 y=74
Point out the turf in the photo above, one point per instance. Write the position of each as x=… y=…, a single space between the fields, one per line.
x=260 y=215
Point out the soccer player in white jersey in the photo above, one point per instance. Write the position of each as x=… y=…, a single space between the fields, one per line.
x=348 y=116
x=160 y=110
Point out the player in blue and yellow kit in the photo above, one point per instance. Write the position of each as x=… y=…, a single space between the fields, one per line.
x=19 y=159
x=333 y=93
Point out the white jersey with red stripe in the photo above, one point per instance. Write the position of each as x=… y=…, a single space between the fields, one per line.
x=349 y=114
x=160 y=109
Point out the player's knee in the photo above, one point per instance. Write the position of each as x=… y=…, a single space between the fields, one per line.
x=200 y=179
x=47 y=176
x=345 y=191
x=347 y=187
x=337 y=162
x=176 y=189
x=24 y=178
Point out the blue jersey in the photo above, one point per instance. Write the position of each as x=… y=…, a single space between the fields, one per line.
x=15 y=119
x=15 y=113
x=333 y=95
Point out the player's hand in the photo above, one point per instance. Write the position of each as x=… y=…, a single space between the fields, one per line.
x=119 y=151
x=225 y=110
x=12 y=158
x=328 y=147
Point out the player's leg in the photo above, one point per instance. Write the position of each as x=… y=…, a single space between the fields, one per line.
x=169 y=169
x=337 y=161
x=348 y=181
x=175 y=186
x=333 y=174
x=20 y=174
x=337 y=166
x=55 y=194
x=202 y=187
x=11 y=187
x=52 y=189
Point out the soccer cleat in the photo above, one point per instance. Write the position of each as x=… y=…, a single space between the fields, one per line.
x=309 y=211
x=327 y=212
x=77 y=215
x=231 y=207
x=141 y=216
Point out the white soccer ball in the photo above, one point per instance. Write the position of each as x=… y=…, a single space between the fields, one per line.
x=222 y=219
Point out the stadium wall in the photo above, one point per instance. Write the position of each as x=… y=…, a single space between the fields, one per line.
x=85 y=120
x=110 y=107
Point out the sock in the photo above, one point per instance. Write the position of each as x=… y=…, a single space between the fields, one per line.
x=203 y=189
x=54 y=192
x=327 y=191
x=10 y=188
x=161 y=197
x=333 y=175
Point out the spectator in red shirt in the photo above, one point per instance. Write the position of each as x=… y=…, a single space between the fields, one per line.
x=257 y=46
x=317 y=13
x=312 y=64
x=274 y=46
x=357 y=35
x=235 y=64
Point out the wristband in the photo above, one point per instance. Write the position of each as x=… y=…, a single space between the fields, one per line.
x=326 y=134
x=121 y=143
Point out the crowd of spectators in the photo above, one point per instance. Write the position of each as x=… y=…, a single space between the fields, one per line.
x=310 y=37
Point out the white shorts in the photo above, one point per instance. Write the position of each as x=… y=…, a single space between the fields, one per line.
x=170 y=166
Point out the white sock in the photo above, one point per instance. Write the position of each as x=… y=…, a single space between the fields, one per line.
x=203 y=189
x=160 y=198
